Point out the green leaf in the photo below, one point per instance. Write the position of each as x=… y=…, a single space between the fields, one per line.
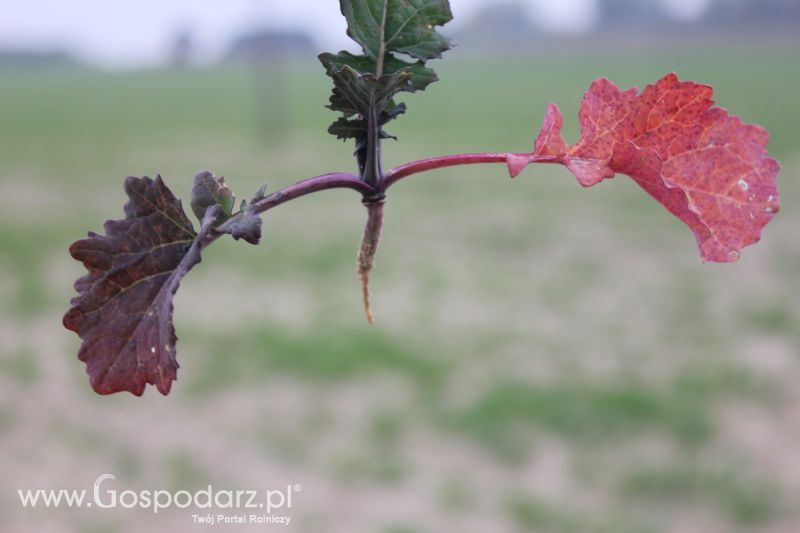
x=421 y=76
x=354 y=90
x=365 y=85
x=345 y=128
x=405 y=26
x=356 y=128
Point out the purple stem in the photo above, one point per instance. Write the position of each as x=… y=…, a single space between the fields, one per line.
x=415 y=167
x=338 y=180
x=345 y=180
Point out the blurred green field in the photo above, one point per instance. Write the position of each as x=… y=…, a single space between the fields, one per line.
x=545 y=358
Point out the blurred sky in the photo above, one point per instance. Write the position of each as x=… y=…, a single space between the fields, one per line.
x=139 y=33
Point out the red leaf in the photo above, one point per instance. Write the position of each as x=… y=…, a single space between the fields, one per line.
x=123 y=311
x=706 y=167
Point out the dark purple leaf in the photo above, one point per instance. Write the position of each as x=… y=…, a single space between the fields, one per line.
x=123 y=311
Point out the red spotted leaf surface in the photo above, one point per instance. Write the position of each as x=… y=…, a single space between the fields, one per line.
x=123 y=312
x=708 y=168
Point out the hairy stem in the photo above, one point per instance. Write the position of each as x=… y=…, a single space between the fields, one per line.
x=367 y=250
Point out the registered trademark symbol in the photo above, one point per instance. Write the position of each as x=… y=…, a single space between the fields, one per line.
x=297 y=487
